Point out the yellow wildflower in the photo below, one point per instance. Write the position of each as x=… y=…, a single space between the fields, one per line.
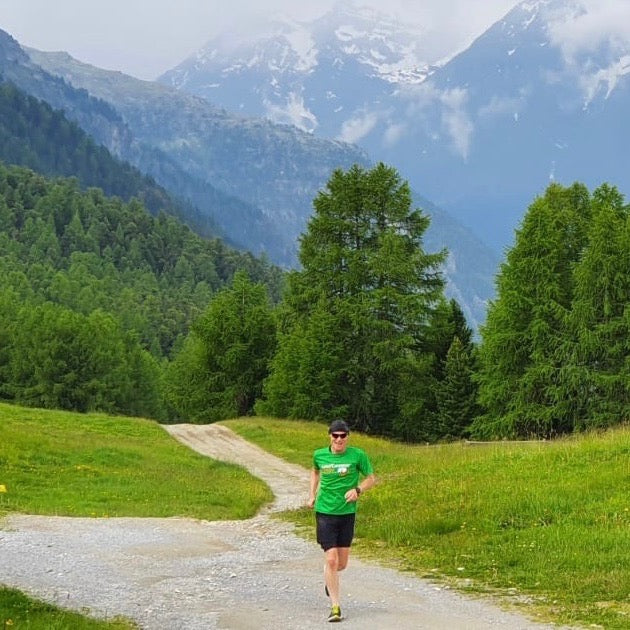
x=3 y=488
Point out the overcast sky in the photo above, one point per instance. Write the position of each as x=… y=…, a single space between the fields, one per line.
x=145 y=38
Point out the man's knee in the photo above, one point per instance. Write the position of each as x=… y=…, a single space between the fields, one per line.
x=332 y=561
x=342 y=559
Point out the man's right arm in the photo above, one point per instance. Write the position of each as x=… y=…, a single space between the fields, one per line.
x=313 y=487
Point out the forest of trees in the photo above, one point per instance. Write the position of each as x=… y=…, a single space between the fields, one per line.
x=364 y=331
x=96 y=295
x=106 y=307
x=34 y=135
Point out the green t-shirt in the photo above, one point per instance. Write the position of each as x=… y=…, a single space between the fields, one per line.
x=338 y=473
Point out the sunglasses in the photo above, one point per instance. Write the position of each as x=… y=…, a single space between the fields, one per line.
x=339 y=436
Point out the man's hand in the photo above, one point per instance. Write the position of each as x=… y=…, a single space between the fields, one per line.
x=351 y=495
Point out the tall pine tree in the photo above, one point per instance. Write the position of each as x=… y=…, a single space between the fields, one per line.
x=526 y=327
x=456 y=393
x=596 y=375
x=356 y=315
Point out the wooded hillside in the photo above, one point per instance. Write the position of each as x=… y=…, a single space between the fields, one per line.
x=96 y=293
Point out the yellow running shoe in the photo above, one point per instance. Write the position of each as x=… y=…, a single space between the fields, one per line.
x=335 y=614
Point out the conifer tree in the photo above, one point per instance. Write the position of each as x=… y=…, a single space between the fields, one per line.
x=456 y=393
x=364 y=266
x=447 y=323
x=220 y=371
x=596 y=375
x=520 y=353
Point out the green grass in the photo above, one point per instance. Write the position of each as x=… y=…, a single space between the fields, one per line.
x=18 y=611
x=60 y=463
x=92 y=465
x=546 y=524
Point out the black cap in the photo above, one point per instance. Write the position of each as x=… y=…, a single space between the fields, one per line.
x=338 y=425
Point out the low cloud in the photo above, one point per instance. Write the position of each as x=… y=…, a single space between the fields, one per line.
x=460 y=129
x=455 y=121
x=293 y=113
x=593 y=37
x=354 y=129
x=393 y=134
x=605 y=79
x=501 y=106
x=597 y=26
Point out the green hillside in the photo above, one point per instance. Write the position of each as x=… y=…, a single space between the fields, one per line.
x=95 y=294
x=35 y=136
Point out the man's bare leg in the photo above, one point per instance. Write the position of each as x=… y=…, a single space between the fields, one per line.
x=331 y=575
x=336 y=560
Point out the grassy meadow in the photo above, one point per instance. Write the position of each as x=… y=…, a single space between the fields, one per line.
x=543 y=526
x=93 y=465
x=17 y=611
x=68 y=464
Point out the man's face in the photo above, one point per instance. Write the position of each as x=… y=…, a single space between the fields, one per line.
x=338 y=441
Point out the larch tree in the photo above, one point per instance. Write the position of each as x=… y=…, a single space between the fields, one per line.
x=356 y=314
x=596 y=375
x=520 y=353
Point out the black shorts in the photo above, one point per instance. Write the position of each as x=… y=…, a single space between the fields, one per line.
x=334 y=530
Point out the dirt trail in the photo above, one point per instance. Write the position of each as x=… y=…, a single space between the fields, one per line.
x=235 y=575
x=289 y=483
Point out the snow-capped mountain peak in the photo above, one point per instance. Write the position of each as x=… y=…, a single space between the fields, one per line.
x=298 y=72
x=531 y=99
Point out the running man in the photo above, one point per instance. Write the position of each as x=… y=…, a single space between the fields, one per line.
x=334 y=489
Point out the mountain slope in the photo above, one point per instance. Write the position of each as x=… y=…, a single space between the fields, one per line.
x=275 y=168
x=186 y=145
x=107 y=127
x=540 y=96
x=33 y=135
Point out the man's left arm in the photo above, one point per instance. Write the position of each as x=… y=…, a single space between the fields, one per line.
x=366 y=483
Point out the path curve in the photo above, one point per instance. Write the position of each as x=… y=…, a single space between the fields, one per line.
x=231 y=575
x=288 y=482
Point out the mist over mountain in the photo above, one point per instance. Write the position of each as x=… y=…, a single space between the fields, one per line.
x=540 y=96
x=313 y=75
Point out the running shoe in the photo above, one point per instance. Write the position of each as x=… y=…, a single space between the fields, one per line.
x=335 y=614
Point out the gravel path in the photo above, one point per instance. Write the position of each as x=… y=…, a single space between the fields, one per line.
x=235 y=575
